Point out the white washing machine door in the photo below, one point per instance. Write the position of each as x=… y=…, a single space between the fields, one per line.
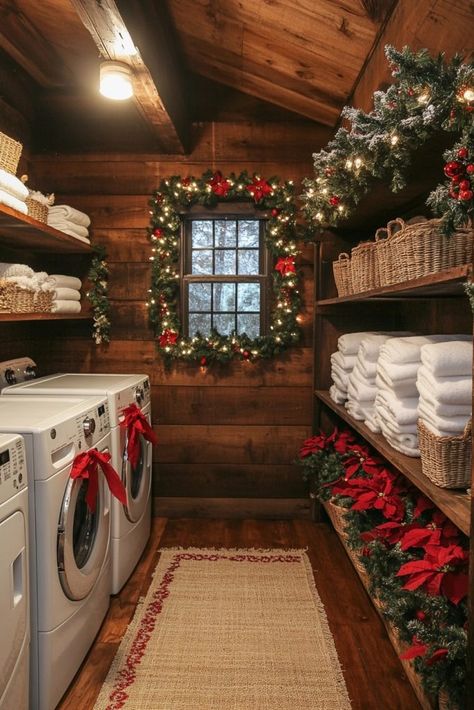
x=136 y=480
x=83 y=538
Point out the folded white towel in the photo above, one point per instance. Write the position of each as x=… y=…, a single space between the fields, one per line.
x=71 y=214
x=412 y=451
x=408 y=440
x=346 y=362
x=450 y=390
x=66 y=307
x=392 y=372
x=402 y=411
x=71 y=233
x=441 y=432
x=40 y=276
x=359 y=376
x=401 y=350
x=340 y=382
x=336 y=395
x=365 y=368
x=370 y=346
x=13 y=185
x=65 y=294
x=349 y=343
x=15 y=270
x=448 y=359
x=372 y=422
x=360 y=391
x=358 y=410
x=69 y=227
x=393 y=426
x=401 y=388
x=11 y=201
x=438 y=409
x=453 y=424
x=342 y=374
x=63 y=281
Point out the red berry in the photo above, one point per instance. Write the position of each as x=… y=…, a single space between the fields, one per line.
x=454 y=195
x=203 y=361
x=246 y=354
x=158 y=232
x=420 y=615
x=470 y=168
x=456 y=179
x=275 y=212
x=334 y=200
x=465 y=185
x=463 y=153
x=453 y=168
x=466 y=195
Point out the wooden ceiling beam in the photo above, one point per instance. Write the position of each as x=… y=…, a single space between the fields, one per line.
x=139 y=34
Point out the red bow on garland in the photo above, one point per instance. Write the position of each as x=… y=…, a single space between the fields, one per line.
x=136 y=423
x=286 y=265
x=85 y=465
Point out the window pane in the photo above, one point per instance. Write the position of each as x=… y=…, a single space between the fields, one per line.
x=224 y=297
x=199 y=322
x=248 y=298
x=248 y=323
x=249 y=233
x=202 y=233
x=248 y=261
x=202 y=262
x=225 y=261
x=224 y=324
x=226 y=233
x=200 y=297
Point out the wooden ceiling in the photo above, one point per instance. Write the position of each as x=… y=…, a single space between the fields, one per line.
x=302 y=56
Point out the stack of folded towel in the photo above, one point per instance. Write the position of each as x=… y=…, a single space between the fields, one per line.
x=13 y=192
x=445 y=386
x=70 y=221
x=66 y=293
x=361 y=389
x=342 y=362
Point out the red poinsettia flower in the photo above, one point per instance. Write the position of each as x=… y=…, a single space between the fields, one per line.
x=390 y=533
x=422 y=504
x=186 y=181
x=286 y=265
x=382 y=493
x=442 y=571
x=440 y=531
x=220 y=186
x=168 y=337
x=344 y=442
x=259 y=189
x=312 y=445
x=418 y=648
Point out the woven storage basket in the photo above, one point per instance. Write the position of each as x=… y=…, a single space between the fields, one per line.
x=37 y=210
x=389 y=262
x=446 y=460
x=10 y=153
x=43 y=301
x=364 y=267
x=7 y=290
x=396 y=251
x=336 y=514
x=443 y=702
x=343 y=274
x=20 y=300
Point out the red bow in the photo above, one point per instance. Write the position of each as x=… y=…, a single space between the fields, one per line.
x=136 y=423
x=85 y=465
x=286 y=265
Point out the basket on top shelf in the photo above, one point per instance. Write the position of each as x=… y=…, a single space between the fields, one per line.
x=446 y=460
x=10 y=153
x=364 y=267
x=390 y=263
x=37 y=203
x=343 y=274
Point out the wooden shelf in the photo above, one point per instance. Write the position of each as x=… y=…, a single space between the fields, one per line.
x=449 y=282
x=454 y=504
x=20 y=231
x=12 y=317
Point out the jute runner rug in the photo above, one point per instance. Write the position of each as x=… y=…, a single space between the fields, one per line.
x=228 y=630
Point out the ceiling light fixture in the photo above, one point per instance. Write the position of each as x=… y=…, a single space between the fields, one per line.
x=115 y=81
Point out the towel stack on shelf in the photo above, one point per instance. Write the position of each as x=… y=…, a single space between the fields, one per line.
x=70 y=221
x=13 y=192
x=445 y=386
x=66 y=293
x=342 y=363
x=361 y=389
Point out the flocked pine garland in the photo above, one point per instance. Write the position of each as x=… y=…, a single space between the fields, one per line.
x=429 y=95
x=169 y=202
x=98 y=295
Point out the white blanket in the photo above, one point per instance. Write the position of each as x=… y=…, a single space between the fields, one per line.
x=13 y=185
x=66 y=307
x=69 y=227
x=65 y=294
x=10 y=201
x=63 y=281
x=449 y=390
x=66 y=212
x=448 y=359
x=15 y=270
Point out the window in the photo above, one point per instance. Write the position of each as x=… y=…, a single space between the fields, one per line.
x=225 y=273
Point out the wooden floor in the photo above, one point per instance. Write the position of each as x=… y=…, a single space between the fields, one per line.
x=374 y=676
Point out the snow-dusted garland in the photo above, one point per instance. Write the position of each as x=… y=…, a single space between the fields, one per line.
x=277 y=201
x=428 y=95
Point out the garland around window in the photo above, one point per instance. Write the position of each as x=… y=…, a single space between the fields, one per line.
x=173 y=197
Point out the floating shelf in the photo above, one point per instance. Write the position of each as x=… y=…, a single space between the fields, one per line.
x=20 y=231
x=456 y=505
x=11 y=317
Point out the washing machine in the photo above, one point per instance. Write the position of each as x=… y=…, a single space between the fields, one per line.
x=131 y=522
x=69 y=565
x=14 y=589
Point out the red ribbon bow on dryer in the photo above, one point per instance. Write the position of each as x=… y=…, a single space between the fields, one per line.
x=85 y=465
x=136 y=423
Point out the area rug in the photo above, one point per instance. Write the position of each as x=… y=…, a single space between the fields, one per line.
x=228 y=630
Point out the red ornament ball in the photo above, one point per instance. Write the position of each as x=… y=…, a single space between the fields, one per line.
x=334 y=200
x=470 y=168
x=456 y=179
x=463 y=153
x=158 y=232
x=453 y=168
x=275 y=212
x=465 y=185
x=454 y=195
x=203 y=361
x=420 y=615
x=246 y=354
x=466 y=195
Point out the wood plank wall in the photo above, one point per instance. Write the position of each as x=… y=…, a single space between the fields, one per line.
x=227 y=437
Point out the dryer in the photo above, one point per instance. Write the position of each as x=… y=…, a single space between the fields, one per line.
x=14 y=591
x=131 y=522
x=69 y=545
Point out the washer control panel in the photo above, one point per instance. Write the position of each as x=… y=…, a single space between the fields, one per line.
x=20 y=369
x=92 y=425
x=13 y=476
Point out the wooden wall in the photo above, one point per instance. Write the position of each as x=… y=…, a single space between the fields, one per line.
x=227 y=437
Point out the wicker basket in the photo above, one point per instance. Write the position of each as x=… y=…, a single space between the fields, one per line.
x=7 y=289
x=336 y=515
x=364 y=267
x=10 y=153
x=43 y=301
x=446 y=460
x=17 y=299
x=343 y=274
x=37 y=210
x=443 y=702
x=390 y=268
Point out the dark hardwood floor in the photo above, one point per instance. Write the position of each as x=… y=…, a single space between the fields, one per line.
x=374 y=677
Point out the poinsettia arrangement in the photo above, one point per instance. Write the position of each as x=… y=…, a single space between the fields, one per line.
x=415 y=557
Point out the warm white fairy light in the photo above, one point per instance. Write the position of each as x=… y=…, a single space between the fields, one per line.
x=394 y=139
x=468 y=94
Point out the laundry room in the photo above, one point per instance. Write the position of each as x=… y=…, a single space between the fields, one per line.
x=236 y=304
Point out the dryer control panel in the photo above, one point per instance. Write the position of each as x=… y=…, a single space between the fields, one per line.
x=21 y=369
x=13 y=476
x=93 y=425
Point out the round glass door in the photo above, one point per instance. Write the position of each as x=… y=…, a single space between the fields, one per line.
x=137 y=480
x=84 y=528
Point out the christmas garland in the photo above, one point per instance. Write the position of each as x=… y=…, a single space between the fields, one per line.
x=429 y=95
x=173 y=197
x=415 y=557
x=97 y=295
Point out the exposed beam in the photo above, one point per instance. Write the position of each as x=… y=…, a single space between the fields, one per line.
x=26 y=45
x=139 y=34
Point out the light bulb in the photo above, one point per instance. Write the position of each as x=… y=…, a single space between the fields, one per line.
x=468 y=95
x=115 y=81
